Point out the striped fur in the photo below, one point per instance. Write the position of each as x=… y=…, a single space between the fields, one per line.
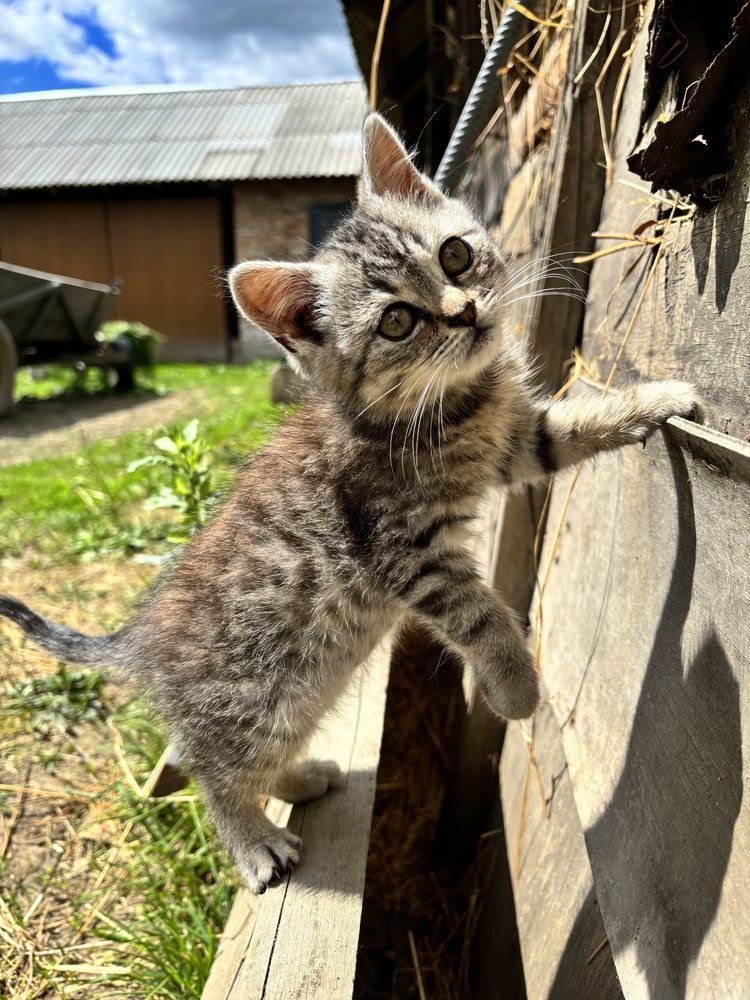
x=356 y=515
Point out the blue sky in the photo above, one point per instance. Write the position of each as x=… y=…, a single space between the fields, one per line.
x=54 y=44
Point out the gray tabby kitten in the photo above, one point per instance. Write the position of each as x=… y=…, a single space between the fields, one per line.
x=356 y=515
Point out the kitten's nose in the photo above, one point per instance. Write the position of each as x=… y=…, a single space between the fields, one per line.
x=466 y=317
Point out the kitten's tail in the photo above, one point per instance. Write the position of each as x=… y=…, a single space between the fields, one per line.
x=62 y=642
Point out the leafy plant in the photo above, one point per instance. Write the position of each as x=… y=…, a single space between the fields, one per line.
x=143 y=340
x=56 y=524
x=183 y=453
x=59 y=701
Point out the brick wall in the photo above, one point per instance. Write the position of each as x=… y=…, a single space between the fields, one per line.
x=272 y=221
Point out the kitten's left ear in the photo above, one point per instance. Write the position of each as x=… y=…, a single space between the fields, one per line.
x=387 y=168
x=279 y=297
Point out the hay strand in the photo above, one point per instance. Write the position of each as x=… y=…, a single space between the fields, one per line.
x=375 y=65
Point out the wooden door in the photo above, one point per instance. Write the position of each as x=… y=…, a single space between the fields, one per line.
x=166 y=251
x=168 y=254
x=66 y=237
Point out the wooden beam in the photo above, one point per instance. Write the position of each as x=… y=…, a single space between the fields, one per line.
x=563 y=941
x=302 y=942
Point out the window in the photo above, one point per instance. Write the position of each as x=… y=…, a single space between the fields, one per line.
x=322 y=219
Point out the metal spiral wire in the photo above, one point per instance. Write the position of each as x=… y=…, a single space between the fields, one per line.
x=481 y=102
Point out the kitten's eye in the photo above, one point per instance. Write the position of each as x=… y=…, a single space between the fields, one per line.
x=455 y=256
x=397 y=321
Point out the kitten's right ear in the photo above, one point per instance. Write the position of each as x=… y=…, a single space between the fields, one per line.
x=279 y=297
x=387 y=167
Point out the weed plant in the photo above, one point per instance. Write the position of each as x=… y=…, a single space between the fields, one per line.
x=59 y=701
x=86 y=505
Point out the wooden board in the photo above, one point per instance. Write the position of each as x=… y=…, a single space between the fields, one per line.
x=559 y=924
x=646 y=648
x=303 y=942
x=240 y=925
x=694 y=321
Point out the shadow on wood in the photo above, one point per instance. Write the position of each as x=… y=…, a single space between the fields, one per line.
x=666 y=835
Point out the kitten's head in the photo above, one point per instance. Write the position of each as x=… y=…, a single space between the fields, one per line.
x=403 y=295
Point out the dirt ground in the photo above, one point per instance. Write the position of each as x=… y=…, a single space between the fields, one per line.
x=48 y=428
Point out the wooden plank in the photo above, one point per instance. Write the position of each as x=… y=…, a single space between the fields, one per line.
x=559 y=924
x=646 y=649
x=694 y=318
x=303 y=943
x=240 y=925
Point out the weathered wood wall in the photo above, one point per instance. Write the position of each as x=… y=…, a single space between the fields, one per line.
x=628 y=838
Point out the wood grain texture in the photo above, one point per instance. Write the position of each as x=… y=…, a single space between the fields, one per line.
x=647 y=621
x=303 y=942
x=694 y=320
x=559 y=925
x=550 y=206
x=646 y=648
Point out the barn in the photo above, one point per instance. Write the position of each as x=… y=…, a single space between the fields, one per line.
x=164 y=188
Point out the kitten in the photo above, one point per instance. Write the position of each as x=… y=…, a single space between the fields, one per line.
x=355 y=516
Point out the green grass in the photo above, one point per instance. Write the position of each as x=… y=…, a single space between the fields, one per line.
x=177 y=877
x=87 y=503
x=62 y=700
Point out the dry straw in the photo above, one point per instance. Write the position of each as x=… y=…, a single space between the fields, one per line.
x=375 y=65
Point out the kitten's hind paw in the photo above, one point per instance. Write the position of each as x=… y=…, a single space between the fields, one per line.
x=266 y=863
x=307 y=781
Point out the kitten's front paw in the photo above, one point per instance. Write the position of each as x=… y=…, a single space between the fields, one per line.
x=662 y=400
x=264 y=864
x=511 y=689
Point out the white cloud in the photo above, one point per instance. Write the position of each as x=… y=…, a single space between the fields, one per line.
x=181 y=41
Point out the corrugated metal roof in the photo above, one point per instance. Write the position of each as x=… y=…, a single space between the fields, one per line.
x=147 y=137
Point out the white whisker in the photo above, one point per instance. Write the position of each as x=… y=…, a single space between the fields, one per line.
x=382 y=396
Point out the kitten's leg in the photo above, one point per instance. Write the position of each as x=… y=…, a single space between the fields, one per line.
x=306 y=781
x=553 y=436
x=263 y=852
x=474 y=621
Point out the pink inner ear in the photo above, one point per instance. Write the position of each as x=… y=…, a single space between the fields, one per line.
x=389 y=166
x=278 y=297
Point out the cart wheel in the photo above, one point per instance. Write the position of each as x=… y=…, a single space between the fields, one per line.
x=8 y=366
x=125 y=371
